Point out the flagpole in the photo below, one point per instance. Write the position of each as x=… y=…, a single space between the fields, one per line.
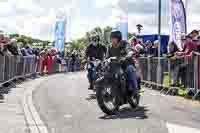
x=159 y=24
x=159 y=39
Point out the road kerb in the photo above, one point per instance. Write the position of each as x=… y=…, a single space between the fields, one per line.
x=34 y=122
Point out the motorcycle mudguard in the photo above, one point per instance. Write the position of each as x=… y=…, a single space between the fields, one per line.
x=107 y=78
x=100 y=81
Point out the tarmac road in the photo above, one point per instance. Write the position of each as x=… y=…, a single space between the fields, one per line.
x=66 y=106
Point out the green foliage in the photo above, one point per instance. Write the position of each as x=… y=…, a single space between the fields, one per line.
x=80 y=44
x=167 y=80
x=97 y=30
x=106 y=35
x=14 y=35
x=131 y=35
x=24 y=40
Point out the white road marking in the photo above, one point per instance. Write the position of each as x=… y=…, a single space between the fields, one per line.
x=36 y=125
x=174 y=128
x=67 y=116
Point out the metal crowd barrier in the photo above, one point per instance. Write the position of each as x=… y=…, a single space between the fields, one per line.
x=163 y=72
x=151 y=71
x=73 y=66
x=196 y=74
x=15 y=67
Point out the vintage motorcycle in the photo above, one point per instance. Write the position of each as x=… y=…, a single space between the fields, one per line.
x=94 y=68
x=113 y=89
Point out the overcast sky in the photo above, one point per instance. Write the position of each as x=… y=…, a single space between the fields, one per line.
x=37 y=17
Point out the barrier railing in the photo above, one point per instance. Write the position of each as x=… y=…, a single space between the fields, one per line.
x=170 y=72
x=15 y=67
x=157 y=72
x=12 y=67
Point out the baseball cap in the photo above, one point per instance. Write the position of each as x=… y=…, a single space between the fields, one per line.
x=195 y=31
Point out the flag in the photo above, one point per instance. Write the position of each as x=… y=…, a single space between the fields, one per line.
x=123 y=27
x=178 y=21
x=60 y=35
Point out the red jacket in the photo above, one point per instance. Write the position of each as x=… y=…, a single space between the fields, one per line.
x=49 y=63
x=189 y=48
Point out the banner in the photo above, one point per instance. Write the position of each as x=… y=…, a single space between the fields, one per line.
x=123 y=27
x=60 y=35
x=178 y=21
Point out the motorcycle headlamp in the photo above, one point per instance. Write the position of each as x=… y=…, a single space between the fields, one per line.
x=116 y=76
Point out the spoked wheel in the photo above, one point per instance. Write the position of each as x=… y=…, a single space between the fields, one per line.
x=107 y=99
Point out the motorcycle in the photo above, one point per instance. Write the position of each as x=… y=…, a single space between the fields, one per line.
x=94 y=68
x=113 y=89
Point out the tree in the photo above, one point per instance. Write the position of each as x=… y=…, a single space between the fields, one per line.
x=78 y=44
x=130 y=35
x=22 y=40
x=106 y=35
x=14 y=35
x=88 y=37
x=108 y=29
x=98 y=30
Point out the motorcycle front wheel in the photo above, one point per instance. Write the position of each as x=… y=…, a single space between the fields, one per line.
x=134 y=100
x=108 y=99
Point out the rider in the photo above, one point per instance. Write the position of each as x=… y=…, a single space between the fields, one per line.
x=122 y=50
x=94 y=51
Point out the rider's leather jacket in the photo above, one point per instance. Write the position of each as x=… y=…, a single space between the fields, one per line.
x=122 y=52
x=97 y=52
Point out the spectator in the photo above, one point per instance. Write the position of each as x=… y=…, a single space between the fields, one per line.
x=49 y=62
x=77 y=62
x=183 y=41
x=134 y=42
x=172 y=48
x=73 y=61
x=189 y=47
x=43 y=61
x=12 y=47
x=58 y=57
x=194 y=34
x=3 y=40
x=4 y=48
x=1 y=45
x=29 y=50
x=23 y=51
x=36 y=51
x=198 y=44
x=195 y=42
x=6 y=52
x=1 y=50
x=149 y=48
x=155 y=48
x=174 y=63
x=139 y=48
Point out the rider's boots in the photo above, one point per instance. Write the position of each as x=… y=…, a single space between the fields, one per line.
x=91 y=87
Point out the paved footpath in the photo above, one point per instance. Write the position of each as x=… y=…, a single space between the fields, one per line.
x=66 y=106
x=12 y=118
x=16 y=110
